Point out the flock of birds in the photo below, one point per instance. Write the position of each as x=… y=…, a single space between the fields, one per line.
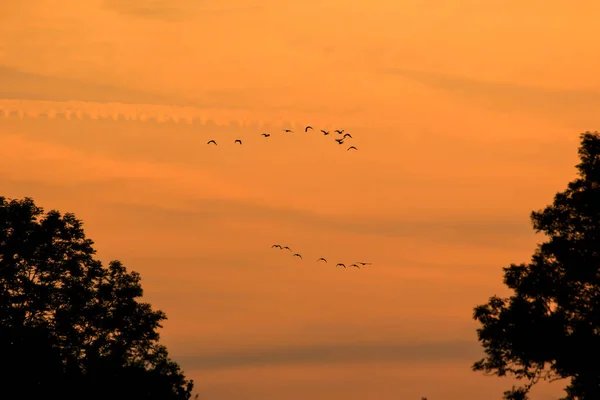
x=339 y=140
x=356 y=264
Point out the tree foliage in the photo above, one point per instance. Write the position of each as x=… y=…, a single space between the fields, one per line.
x=69 y=325
x=550 y=327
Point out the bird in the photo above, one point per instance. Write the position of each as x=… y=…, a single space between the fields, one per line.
x=347 y=135
x=354 y=265
x=307 y=128
x=364 y=263
x=296 y=255
x=351 y=147
x=289 y=130
x=340 y=132
x=276 y=246
x=341 y=265
x=266 y=134
x=238 y=141
x=286 y=248
x=325 y=132
x=211 y=141
x=340 y=141
x=322 y=258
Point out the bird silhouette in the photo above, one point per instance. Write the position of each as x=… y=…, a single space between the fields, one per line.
x=354 y=265
x=238 y=141
x=340 y=132
x=296 y=255
x=266 y=134
x=347 y=135
x=211 y=141
x=307 y=128
x=341 y=265
x=351 y=147
x=364 y=263
x=340 y=141
x=325 y=132
x=322 y=258
x=286 y=248
x=276 y=246
x=289 y=131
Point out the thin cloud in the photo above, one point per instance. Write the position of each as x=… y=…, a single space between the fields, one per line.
x=170 y=10
x=20 y=85
x=472 y=229
x=16 y=84
x=513 y=97
x=408 y=353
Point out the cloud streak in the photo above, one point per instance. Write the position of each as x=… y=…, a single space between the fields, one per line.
x=169 y=10
x=506 y=96
x=20 y=85
x=16 y=84
x=473 y=229
x=410 y=353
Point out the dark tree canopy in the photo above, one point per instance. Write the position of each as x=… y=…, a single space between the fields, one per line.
x=550 y=328
x=69 y=326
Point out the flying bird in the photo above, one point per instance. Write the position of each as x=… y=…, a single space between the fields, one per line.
x=347 y=135
x=322 y=258
x=296 y=255
x=266 y=134
x=325 y=132
x=211 y=141
x=286 y=248
x=307 y=128
x=237 y=141
x=340 y=141
x=341 y=265
x=351 y=147
x=289 y=130
x=340 y=132
x=364 y=263
x=276 y=246
x=354 y=265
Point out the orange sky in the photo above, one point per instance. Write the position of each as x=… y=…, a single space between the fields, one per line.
x=466 y=115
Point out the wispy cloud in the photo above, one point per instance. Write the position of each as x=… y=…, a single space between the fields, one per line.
x=411 y=353
x=472 y=229
x=495 y=231
x=16 y=84
x=21 y=85
x=174 y=10
x=507 y=96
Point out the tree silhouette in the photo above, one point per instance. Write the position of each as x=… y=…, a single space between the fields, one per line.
x=69 y=325
x=550 y=328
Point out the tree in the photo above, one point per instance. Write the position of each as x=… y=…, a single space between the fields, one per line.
x=550 y=327
x=83 y=318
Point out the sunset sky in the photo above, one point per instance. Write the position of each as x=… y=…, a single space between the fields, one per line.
x=466 y=115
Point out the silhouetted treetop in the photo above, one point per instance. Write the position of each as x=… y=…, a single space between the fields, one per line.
x=550 y=327
x=52 y=287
